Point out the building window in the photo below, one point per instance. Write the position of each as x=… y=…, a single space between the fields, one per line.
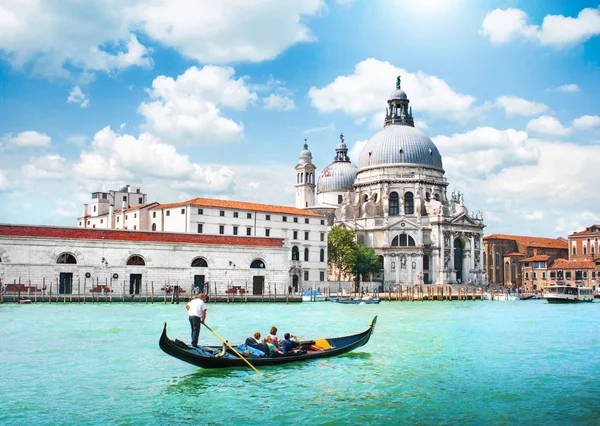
x=135 y=215
x=124 y=197
x=295 y=237
x=140 y=200
x=94 y=225
x=574 y=251
x=306 y=220
x=585 y=275
x=340 y=199
x=322 y=276
x=295 y=220
x=322 y=236
x=134 y=227
x=248 y=215
x=236 y=214
x=66 y=258
x=584 y=250
x=306 y=254
x=221 y=229
x=136 y=260
x=305 y=275
x=322 y=255
x=235 y=230
x=543 y=275
x=534 y=275
x=199 y=263
x=568 y=275
x=248 y=231
x=200 y=211
x=552 y=275
x=154 y=214
x=284 y=218
x=101 y=220
x=257 y=264
x=403 y=240
x=126 y=217
x=79 y=223
x=200 y=228
x=394 y=204
x=267 y=217
x=94 y=209
x=322 y=222
x=526 y=275
x=117 y=219
x=593 y=275
x=182 y=211
x=267 y=232
x=168 y=212
x=409 y=203
x=295 y=253
x=305 y=236
x=222 y=213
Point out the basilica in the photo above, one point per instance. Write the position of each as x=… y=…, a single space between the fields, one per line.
x=397 y=202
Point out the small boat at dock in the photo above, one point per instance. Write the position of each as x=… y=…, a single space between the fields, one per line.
x=565 y=293
x=313 y=296
x=222 y=357
x=366 y=300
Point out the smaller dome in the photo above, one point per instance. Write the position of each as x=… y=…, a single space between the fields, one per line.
x=305 y=152
x=398 y=94
x=338 y=176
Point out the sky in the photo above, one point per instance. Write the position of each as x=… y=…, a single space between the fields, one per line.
x=197 y=98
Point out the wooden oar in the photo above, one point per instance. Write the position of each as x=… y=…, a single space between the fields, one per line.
x=231 y=347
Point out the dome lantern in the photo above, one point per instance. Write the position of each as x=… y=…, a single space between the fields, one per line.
x=398 y=111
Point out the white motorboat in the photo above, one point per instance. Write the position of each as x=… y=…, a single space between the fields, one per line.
x=313 y=296
x=564 y=293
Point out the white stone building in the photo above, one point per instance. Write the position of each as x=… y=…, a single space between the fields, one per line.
x=396 y=201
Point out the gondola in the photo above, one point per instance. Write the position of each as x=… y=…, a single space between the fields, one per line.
x=221 y=357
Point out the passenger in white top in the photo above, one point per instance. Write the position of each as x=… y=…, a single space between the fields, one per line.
x=197 y=315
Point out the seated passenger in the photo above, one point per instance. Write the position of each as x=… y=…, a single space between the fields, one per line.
x=271 y=347
x=288 y=345
x=255 y=342
x=274 y=338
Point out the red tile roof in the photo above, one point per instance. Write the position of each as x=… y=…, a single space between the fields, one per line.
x=572 y=264
x=592 y=230
x=559 y=243
x=238 y=205
x=537 y=258
x=137 y=236
x=515 y=253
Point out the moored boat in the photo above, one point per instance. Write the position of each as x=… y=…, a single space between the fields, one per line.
x=366 y=300
x=564 y=293
x=313 y=296
x=218 y=357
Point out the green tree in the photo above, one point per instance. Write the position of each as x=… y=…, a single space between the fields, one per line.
x=366 y=262
x=341 y=250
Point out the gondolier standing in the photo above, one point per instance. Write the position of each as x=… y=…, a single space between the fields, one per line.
x=197 y=315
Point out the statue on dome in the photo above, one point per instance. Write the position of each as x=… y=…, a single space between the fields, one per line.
x=398 y=82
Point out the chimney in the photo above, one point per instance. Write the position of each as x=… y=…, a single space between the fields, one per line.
x=110 y=223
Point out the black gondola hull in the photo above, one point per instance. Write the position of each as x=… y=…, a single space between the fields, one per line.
x=201 y=357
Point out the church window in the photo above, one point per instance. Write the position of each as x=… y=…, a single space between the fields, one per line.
x=340 y=199
x=136 y=260
x=322 y=255
x=437 y=197
x=199 y=262
x=365 y=198
x=427 y=196
x=394 y=204
x=403 y=240
x=306 y=254
x=295 y=253
x=409 y=203
x=66 y=258
x=257 y=264
x=374 y=198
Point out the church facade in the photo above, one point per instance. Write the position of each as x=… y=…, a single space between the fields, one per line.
x=396 y=200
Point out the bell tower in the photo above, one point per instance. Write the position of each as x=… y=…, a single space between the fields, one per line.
x=305 y=179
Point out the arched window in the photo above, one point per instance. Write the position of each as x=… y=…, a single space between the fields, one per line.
x=403 y=240
x=322 y=255
x=257 y=264
x=394 y=204
x=484 y=261
x=380 y=262
x=306 y=254
x=136 y=260
x=199 y=262
x=409 y=203
x=66 y=258
x=154 y=226
x=295 y=253
x=365 y=198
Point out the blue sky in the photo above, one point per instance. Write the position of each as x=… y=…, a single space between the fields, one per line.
x=187 y=98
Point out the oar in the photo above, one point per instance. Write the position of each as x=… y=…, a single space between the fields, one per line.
x=231 y=347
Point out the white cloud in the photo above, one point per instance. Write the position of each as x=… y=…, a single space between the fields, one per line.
x=4 y=182
x=420 y=124
x=329 y=127
x=514 y=105
x=123 y=157
x=47 y=167
x=76 y=96
x=502 y=26
x=568 y=88
x=56 y=36
x=546 y=125
x=485 y=150
x=28 y=138
x=587 y=122
x=279 y=103
x=364 y=92
x=187 y=110
x=535 y=215
x=354 y=152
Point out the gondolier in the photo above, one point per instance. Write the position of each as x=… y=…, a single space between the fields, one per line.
x=197 y=315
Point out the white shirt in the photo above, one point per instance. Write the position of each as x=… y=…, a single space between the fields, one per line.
x=197 y=307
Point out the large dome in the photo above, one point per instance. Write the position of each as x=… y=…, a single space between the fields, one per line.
x=338 y=176
x=397 y=144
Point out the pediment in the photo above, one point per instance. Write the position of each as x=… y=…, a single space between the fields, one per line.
x=463 y=219
x=403 y=224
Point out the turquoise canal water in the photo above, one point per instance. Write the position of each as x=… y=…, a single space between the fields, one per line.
x=482 y=362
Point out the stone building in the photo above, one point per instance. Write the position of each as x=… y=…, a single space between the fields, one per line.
x=397 y=202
